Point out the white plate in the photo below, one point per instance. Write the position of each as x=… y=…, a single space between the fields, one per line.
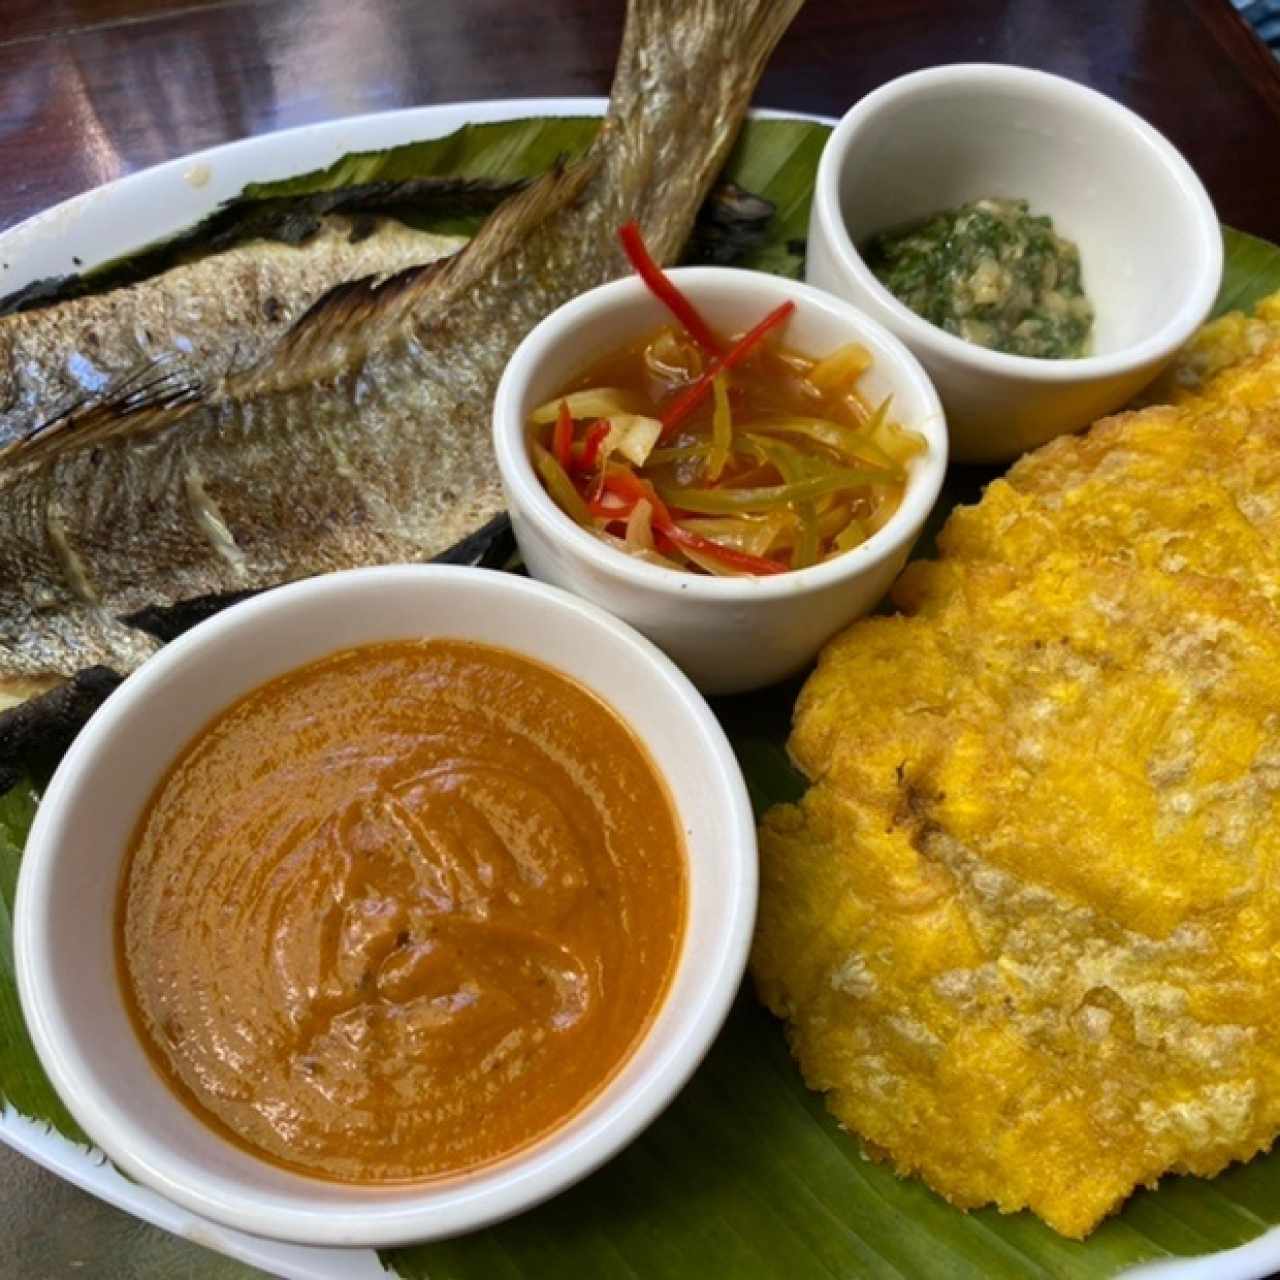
x=136 y=210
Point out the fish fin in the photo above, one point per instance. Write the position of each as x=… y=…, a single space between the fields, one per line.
x=714 y=52
x=159 y=392
x=507 y=228
x=350 y=318
x=152 y=394
x=340 y=325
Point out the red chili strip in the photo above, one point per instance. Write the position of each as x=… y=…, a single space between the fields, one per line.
x=591 y=442
x=631 y=488
x=689 y=399
x=726 y=555
x=663 y=288
x=664 y=544
x=601 y=511
x=562 y=437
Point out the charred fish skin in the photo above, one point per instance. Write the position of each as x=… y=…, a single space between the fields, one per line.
x=362 y=437
x=211 y=316
x=35 y=734
x=285 y=219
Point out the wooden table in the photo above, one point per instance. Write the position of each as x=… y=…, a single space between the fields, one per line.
x=92 y=89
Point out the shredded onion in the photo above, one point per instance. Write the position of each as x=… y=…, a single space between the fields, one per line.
x=640 y=526
x=632 y=435
x=598 y=402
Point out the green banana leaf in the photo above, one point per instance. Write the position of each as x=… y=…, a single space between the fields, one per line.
x=746 y=1174
x=1250 y=271
x=775 y=159
x=23 y=1084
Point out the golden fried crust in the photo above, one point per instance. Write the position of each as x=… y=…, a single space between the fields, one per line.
x=1025 y=925
x=1228 y=341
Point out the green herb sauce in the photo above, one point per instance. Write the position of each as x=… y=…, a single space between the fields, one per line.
x=991 y=273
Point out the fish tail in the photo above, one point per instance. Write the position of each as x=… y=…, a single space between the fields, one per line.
x=708 y=40
x=685 y=75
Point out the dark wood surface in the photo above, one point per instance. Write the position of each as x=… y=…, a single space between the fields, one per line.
x=91 y=89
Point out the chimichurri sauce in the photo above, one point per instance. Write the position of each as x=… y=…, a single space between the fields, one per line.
x=992 y=273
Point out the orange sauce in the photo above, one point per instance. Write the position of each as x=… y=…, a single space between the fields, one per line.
x=401 y=912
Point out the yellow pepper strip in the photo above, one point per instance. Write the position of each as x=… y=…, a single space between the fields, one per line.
x=794 y=466
x=852 y=444
x=721 y=428
x=756 y=535
x=876 y=422
x=833 y=519
x=842 y=365
x=790 y=463
x=598 y=402
x=895 y=440
x=806 y=552
x=854 y=533
x=727 y=502
x=713 y=565
x=640 y=526
x=559 y=486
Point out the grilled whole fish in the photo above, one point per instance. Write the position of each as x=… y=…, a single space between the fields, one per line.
x=213 y=315
x=362 y=436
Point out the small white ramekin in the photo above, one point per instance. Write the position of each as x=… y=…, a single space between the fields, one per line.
x=728 y=634
x=67 y=892
x=1150 y=243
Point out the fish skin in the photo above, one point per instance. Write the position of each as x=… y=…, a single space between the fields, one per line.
x=213 y=315
x=34 y=734
x=363 y=437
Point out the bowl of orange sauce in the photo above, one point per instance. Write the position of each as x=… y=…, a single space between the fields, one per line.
x=385 y=905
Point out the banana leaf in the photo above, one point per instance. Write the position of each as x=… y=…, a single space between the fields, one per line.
x=23 y=1084
x=774 y=160
x=1250 y=271
x=746 y=1174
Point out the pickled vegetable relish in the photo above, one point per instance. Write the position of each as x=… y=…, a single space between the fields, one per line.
x=722 y=455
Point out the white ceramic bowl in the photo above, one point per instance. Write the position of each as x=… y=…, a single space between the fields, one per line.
x=728 y=634
x=1150 y=244
x=67 y=890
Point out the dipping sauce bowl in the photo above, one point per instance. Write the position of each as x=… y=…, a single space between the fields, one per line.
x=1150 y=244
x=727 y=634
x=69 y=887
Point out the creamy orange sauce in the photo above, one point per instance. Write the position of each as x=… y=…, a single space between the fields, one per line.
x=401 y=912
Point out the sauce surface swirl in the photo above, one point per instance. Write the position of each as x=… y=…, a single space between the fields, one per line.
x=403 y=911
